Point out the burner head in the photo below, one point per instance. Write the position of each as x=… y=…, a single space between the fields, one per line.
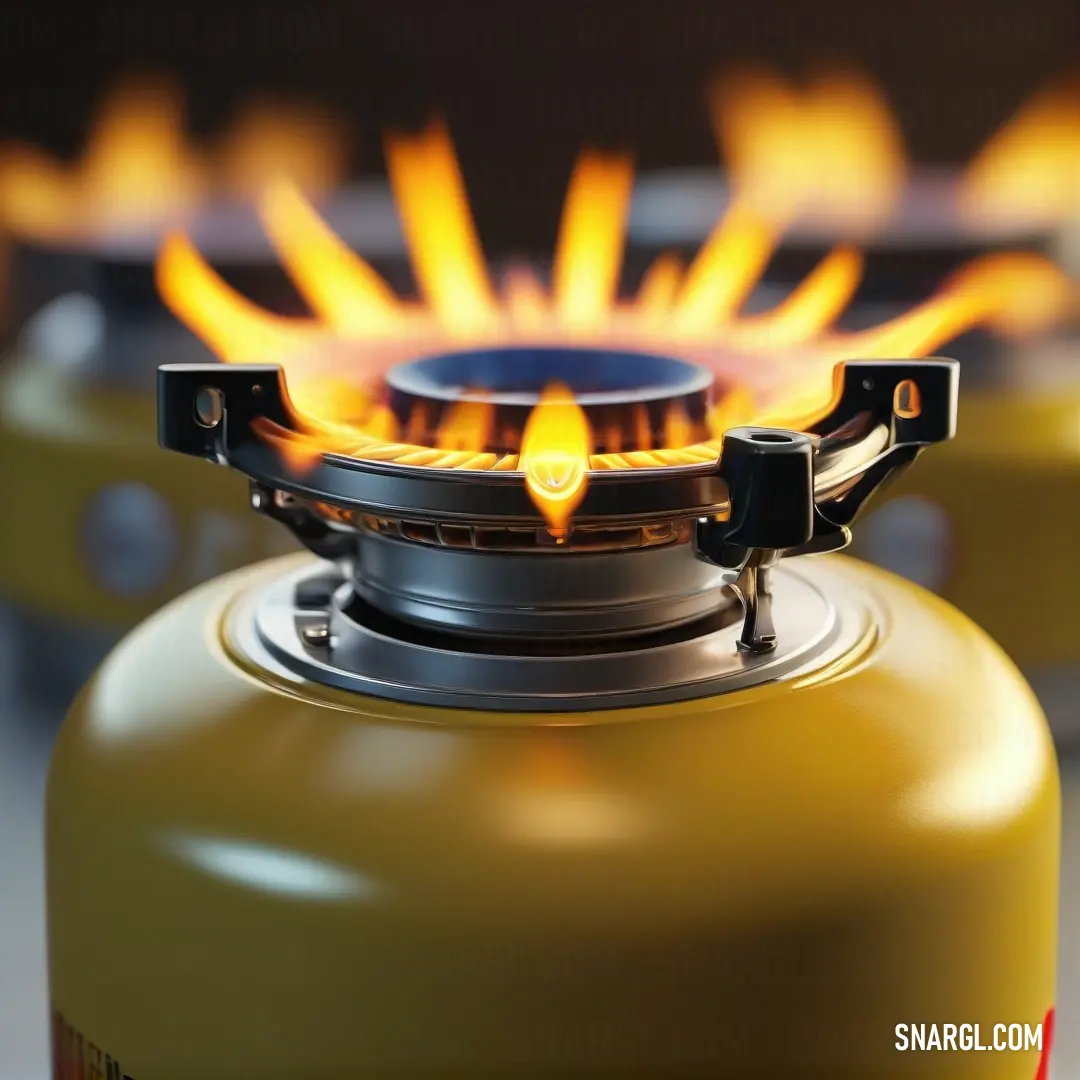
x=772 y=494
x=619 y=392
x=219 y=412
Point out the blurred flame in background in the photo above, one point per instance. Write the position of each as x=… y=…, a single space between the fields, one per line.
x=139 y=170
x=772 y=368
x=1028 y=174
x=832 y=150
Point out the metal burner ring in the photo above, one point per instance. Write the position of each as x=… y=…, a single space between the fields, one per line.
x=284 y=634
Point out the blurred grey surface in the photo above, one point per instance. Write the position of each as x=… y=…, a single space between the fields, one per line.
x=26 y=733
x=25 y=738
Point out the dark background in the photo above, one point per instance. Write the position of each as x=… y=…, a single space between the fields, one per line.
x=525 y=84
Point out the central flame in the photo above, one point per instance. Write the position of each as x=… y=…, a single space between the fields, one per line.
x=555 y=451
x=776 y=366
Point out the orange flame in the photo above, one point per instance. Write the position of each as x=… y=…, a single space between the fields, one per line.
x=269 y=141
x=343 y=289
x=237 y=330
x=659 y=288
x=467 y=424
x=813 y=307
x=1028 y=174
x=590 y=249
x=775 y=367
x=1013 y=294
x=555 y=451
x=834 y=149
x=446 y=253
x=525 y=299
x=138 y=169
x=725 y=271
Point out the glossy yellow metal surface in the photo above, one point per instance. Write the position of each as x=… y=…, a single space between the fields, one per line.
x=249 y=881
x=67 y=451
x=1007 y=494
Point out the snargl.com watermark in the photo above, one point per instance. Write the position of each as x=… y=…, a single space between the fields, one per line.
x=1000 y=1038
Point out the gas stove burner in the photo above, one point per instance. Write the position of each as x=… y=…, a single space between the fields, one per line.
x=427 y=545
x=618 y=391
x=590 y=703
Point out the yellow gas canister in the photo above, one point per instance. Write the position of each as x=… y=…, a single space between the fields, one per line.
x=486 y=791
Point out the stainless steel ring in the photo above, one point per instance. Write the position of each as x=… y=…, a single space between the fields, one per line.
x=270 y=630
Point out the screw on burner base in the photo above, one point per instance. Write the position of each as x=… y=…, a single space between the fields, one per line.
x=317 y=636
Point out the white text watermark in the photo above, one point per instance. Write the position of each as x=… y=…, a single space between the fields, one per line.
x=1000 y=1038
